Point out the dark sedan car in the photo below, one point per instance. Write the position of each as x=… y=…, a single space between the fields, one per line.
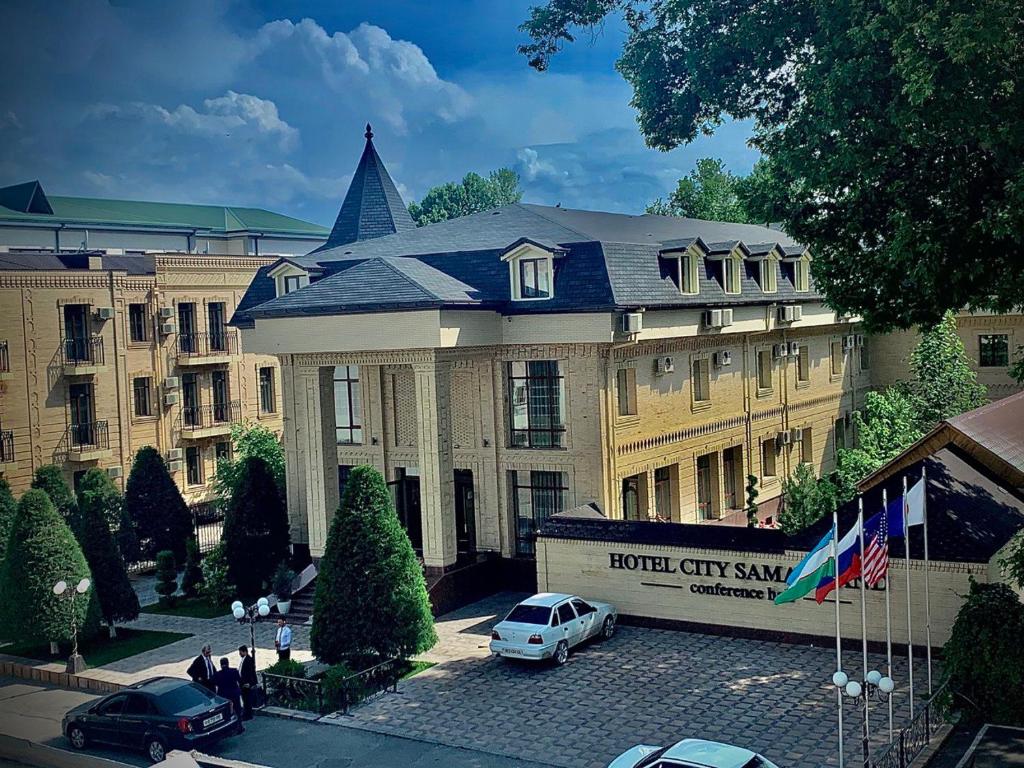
x=155 y=716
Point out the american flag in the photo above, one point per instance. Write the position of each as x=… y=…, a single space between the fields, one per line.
x=876 y=552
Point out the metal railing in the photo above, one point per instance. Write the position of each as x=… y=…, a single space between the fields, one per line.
x=912 y=739
x=312 y=695
x=203 y=416
x=294 y=693
x=207 y=526
x=6 y=446
x=5 y=357
x=82 y=350
x=211 y=344
x=90 y=435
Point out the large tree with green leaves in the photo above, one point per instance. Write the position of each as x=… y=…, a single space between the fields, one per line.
x=155 y=507
x=711 y=192
x=805 y=499
x=42 y=551
x=893 y=130
x=49 y=478
x=255 y=528
x=371 y=598
x=98 y=494
x=473 y=194
x=247 y=441
x=944 y=382
x=8 y=509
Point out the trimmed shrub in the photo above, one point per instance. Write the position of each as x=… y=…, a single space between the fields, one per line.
x=118 y=601
x=192 y=575
x=337 y=691
x=8 y=510
x=282 y=581
x=166 y=577
x=155 y=507
x=216 y=588
x=371 y=598
x=50 y=479
x=255 y=534
x=287 y=667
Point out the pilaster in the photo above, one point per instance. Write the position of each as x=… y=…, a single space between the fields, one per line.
x=436 y=465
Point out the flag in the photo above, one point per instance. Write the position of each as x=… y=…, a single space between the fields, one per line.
x=876 y=549
x=847 y=566
x=915 y=504
x=818 y=564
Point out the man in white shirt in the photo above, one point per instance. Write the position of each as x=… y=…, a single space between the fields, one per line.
x=283 y=641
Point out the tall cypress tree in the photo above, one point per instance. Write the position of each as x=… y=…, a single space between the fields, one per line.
x=42 y=551
x=255 y=527
x=8 y=509
x=371 y=597
x=50 y=479
x=155 y=507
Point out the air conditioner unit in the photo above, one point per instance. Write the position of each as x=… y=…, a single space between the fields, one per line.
x=166 y=313
x=172 y=382
x=783 y=438
x=175 y=465
x=787 y=314
x=664 y=365
x=794 y=348
x=779 y=350
x=175 y=454
x=170 y=398
x=167 y=328
x=726 y=317
x=797 y=434
x=105 y=313
x=115 y=472
x=632 y=322
x=712 y=318
x=723 y=359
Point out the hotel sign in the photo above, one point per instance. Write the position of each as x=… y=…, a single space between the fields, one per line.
x=754 y=578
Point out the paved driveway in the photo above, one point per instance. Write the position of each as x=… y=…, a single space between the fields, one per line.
x=642 y=686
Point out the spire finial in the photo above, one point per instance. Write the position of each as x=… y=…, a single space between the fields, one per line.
x=369 y=132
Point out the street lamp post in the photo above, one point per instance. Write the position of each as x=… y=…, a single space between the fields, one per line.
x=876 y=687
x=251 y=615
x=61 y=589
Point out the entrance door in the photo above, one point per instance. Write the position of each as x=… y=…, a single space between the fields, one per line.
x=82 y=414
x=76 y=332
x=220 y=396
x=407 y=504
x=187 y=327
x=732 y=476
x=190 y=400
x=465 y=512
x=218 y=334
x=704 y=499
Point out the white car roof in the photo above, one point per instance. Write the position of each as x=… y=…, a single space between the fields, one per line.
x=709 y=753
x=547 y=599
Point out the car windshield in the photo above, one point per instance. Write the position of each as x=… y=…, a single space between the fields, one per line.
x=179 y=699
x=530 y=614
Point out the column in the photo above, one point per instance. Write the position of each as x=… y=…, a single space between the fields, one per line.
x=437 y=493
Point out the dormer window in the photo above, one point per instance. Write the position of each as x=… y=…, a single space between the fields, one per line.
x=288 y=277
x=769 y=280
x=531 y=266
x=689 y=255
x=689 y=280
x=802 y=274
x=534 y=278
x=731 y=273
x=292 y=283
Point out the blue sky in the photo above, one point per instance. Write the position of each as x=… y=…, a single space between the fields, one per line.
x=260 y=103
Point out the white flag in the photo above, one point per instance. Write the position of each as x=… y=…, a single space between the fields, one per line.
x=915 y=504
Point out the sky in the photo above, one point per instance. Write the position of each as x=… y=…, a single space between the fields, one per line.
x=264 y=104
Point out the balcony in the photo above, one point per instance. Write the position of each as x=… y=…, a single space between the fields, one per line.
x=88 y=441
x=207 y=348
x=5 y=362
x=82 y=355
x=6 y=450
x=209 y=420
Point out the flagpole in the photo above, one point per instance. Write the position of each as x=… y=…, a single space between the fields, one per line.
x=910 y=637
x=927 y=596
x=839 y=643
x=864 y=634
x=888 y=610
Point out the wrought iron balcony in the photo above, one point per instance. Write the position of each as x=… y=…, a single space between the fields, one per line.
x=82 y=355
x=6 y=448
x=210 y=420
x=5 y=361
x=88 y=440
x=207 y=348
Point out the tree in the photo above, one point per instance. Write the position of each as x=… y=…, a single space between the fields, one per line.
x=166 y=576
x=984 y=658
x=50 y=479
x=249 y=440
x=805 y=499
x=709 y=192
x=255 y=528
x=8 y=510
x=944 y=382
x=216 y=587
x=155 y=507
x=192 y=573
x=371 y=598
x=42 y=551
x=118 y=601
x=98 y=495
x=893 y=131
x=752 y=494
x=472 y=195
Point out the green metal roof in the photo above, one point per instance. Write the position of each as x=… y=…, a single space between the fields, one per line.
x=20 y=203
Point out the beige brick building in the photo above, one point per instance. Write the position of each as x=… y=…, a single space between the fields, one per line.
x=102 y=355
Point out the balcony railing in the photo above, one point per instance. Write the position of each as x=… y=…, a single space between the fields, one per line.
x=88 y=436
x=6 y=446
x=5 y=357
x=82 y=351
x=198 y=417
x=196 y=346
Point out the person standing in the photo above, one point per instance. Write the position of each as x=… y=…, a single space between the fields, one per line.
x=201 y=670
x=283 y=641
x=229 y=686
x=247 y=673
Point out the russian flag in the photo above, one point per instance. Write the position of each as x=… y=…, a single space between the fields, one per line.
x=847 y=563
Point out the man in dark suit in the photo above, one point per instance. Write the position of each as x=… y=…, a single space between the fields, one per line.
x=247 y=672
x=229 y=685
x=201 y=670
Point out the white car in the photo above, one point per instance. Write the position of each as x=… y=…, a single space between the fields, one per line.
x=691 y=753
x=547 y=625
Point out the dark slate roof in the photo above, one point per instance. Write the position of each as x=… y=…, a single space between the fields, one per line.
x=372 y=207
x=971 y=515
x=48 y=261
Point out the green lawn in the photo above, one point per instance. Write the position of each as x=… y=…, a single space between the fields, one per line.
x=101 y=649
x=196 y=607
x=416 y=667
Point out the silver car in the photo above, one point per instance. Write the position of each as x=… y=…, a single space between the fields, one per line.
x=691 y=753
x=548 y=625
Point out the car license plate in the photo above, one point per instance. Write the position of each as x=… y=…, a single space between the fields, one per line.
x=212 y=720
x=513 y=652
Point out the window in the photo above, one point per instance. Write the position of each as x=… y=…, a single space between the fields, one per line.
x=530 y=614
x=631 y=497
x=268 y=398
x=534 y=279
x=836 y=357
x=764 y=369
x=807 y=447
x=536 y=495
x=193 y=465
x=113 y=707
x=731 y=274
x=222 y=451
x=138 y=322
x=536 y=395
x=839 y=430
x=865 y=355
x=582 y=608
x=663 y=492
x=801 y=275
x=994 y=350
x=689 y=281
x=344 y=472
x=626 y=388
x=216 y=315
x=701 y=381
x=292 y=283
x=565 y=613
x=768 y=457
x=803 y=365
x=705 y=488
x=137 y=705
x=769 y=280
x=348 y=405
x=142 y=386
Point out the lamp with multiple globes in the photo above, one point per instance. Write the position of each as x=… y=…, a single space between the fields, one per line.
x=876 y=687
x=63 y=591
x=251 y=615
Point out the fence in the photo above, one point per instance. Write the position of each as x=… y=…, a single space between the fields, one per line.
x=207 y=526
x=309 y=694
x=912 y=740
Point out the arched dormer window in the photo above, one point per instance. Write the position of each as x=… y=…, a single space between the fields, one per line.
x=288 y=277
x=531 y=269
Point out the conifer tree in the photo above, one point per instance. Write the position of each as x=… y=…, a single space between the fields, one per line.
x=8 y=509
x=371 y=597
x=166 y=576
x=255 y=527
x=118 y=601
x=944 y=382
x=155 y=507
x=49 y=478
x=192 y=573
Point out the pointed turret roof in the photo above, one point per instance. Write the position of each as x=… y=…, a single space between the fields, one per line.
x=372 y=206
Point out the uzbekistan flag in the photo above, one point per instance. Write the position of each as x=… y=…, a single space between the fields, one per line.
x=818 y=565
x=848 y=566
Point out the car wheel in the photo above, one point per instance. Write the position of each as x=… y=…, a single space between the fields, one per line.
x=561 y=653
x=156 y=750
x=77 y=737
x=608 y=628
